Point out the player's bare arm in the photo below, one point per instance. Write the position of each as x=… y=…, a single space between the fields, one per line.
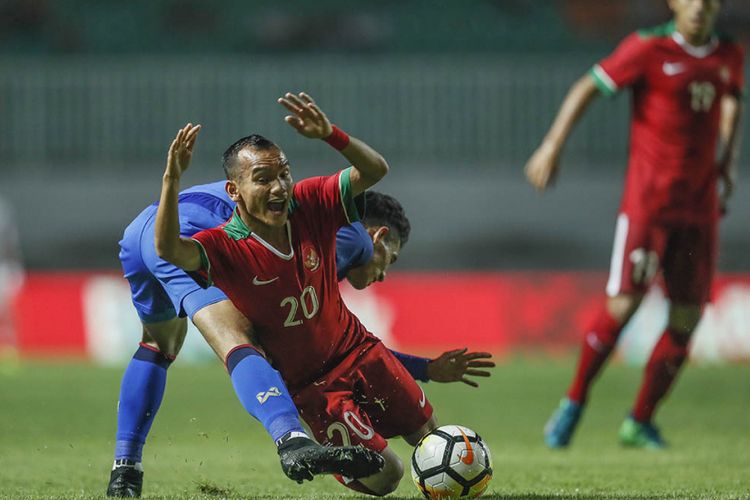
x=543 y=164
x=181 y=252
x=309 y=120
x=731 y=109
x=457 y=365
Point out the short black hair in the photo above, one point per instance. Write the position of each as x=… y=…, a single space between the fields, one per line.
x=385 y=210
x=255 y=141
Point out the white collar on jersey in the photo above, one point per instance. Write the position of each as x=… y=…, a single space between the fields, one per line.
x=266 y=244
x=699 y=52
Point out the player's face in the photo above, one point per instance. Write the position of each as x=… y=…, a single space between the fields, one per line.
x=695 y=19
x=264 y=187
x=385 y=252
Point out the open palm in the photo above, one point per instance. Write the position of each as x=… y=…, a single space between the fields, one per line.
x=306 y=117
x=181 y=150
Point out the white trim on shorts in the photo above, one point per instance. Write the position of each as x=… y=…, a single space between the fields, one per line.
x=618 y=255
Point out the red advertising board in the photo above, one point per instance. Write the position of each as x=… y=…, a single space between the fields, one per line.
x=426 y=312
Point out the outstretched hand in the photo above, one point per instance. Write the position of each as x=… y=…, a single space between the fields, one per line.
x=455 y=366
x=181 y=151
x=306 y=117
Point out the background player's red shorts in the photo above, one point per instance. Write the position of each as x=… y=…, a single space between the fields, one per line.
x=685 y=253
x=368 y=398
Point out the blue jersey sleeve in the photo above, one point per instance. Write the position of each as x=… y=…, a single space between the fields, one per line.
x=353 y=248
x=415 y=365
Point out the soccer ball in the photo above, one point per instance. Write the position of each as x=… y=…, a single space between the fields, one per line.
x=451 y=462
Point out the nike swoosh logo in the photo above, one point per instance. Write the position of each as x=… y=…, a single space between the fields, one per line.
x=468 y=459
x=422 y=400
x=671 y=69
x=256 y=281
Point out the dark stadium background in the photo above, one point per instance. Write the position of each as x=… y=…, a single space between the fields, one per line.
x=456 y=95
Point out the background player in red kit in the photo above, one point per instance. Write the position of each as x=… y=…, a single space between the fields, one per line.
x=276 y=261
x=686 y=83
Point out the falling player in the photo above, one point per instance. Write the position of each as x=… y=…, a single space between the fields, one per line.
x=281 y=239
x=686 y=82
x=162 y=294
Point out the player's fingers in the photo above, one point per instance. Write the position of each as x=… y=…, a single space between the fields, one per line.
x=538 y=176
x=469 y=382
x=315 y=112
x=478 y=355
x=192 y=135
x=289 y=105
x=186 y=130
x=481 y=364
x=458 y=352
x=300 y=106
x=295 y=122
x=311 y=104
x=477 y=373
x=533 y=177
x=295 y=99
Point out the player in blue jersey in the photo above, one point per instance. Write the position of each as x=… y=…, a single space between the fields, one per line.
x=164 y=296
x=364 y=252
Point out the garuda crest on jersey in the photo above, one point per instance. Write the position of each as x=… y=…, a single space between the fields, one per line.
x=311 y=259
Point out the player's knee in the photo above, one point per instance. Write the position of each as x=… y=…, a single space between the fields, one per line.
x=428 y=427
x=621 y=307
x=166 y=337
x=387 y=480
x=683 y=319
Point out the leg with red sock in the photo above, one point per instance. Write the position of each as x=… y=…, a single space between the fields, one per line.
x=598 y=343
x=662 y=368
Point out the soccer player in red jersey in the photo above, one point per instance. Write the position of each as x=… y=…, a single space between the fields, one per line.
x=686 y=84
x=276 y=261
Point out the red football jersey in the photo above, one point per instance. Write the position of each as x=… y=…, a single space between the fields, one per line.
x=676 y=106
x=293 y=299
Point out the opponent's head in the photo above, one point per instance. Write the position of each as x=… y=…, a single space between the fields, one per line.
x=695 y=19
x=259 y=179
x=389 y=229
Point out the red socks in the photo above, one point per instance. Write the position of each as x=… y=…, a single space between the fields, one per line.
x=598 y=341
x=666 y=359
x=665 y=362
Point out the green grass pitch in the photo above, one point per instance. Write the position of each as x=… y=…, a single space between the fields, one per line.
x=57 y=425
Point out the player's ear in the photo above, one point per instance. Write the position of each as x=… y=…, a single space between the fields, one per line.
x=378 y=233
x=232 y=190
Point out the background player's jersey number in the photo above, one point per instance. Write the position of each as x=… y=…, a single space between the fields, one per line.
x=307 y=305
x=702 y=95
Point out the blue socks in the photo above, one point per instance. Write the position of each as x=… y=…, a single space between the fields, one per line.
x=258 y=386
x=141 y=392
x=262 y=392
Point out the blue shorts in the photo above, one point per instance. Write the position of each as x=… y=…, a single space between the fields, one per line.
x=161 y=291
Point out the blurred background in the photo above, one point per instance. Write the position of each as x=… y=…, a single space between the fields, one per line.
x=456 y=95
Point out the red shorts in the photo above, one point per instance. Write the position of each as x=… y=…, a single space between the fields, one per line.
x=685 y=253
x=368 y=398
